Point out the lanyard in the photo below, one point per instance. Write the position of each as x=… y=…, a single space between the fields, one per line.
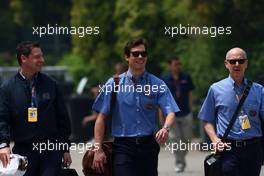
x=134 y=82
x=34 y=102
x=239 y=92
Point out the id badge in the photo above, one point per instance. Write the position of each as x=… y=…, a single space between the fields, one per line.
x=245 y=122
x=32 y=114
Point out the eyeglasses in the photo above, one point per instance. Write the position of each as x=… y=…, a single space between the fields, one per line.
x=137 y=53
x=234 y=61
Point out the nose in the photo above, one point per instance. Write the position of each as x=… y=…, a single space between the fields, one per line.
x=139 y=55
x=237 y=63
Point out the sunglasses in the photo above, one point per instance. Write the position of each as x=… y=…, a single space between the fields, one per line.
x=234 y=61
x=137 y=53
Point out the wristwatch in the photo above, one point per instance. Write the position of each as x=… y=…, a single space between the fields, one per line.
x=166 y=127
x=3 y=145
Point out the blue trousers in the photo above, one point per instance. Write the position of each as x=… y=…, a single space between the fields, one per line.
x=47 y=163
x=244 y=161
x=132 y=157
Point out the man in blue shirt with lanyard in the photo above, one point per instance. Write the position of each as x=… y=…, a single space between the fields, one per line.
x=134 y=117
x=244 y=139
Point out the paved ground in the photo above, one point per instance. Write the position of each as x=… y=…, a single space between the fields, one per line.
x=166 y=163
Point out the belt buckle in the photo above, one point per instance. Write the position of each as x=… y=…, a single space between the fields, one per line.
x=239 y=143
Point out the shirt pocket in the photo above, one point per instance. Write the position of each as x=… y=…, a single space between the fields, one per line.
x=127 y=98
x=148 y=102
x=252 y=109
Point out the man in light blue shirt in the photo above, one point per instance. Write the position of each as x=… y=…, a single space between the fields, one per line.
x=134 y=116
x=222 y=99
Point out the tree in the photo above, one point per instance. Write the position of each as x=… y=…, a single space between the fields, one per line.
x=95 y=51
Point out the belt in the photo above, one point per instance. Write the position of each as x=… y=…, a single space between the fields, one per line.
x=243 y=143
x=136 y=140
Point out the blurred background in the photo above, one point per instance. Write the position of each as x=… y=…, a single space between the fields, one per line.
x=94 y=56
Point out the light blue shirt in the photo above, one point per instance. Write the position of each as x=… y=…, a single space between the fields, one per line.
x=221 y=103
x=136 y=109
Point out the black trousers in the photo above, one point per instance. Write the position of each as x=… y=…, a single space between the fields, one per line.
x=135 y=156
x=47 y=163
x=242 y=161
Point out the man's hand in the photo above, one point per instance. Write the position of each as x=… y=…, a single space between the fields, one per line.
x=219 y=146
x=99 y=161
x=5 y=156
x=67 y=159
x=162 y=135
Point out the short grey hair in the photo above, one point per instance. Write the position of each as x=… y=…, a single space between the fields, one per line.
x=244 y=54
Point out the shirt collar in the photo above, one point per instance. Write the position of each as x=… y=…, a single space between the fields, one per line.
x=23 y=77
x=231 y=80
x=171 y=77
x=130 y=76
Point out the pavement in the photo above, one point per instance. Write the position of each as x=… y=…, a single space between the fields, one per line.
x=166 y=167
x=166 y=163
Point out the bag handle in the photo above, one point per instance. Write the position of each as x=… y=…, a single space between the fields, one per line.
x=114 y=92
x=241 y=102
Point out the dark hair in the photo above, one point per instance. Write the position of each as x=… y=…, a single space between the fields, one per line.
x=24 y=48
x=175 y=58
x=133 y=43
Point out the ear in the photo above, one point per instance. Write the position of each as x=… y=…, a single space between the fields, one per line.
x=23 y=58
x=226 y=64
x=126 y=57
x=246 y=64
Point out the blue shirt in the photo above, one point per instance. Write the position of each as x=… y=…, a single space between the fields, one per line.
x=221 y=102
x=180 y=90
x=135 y=112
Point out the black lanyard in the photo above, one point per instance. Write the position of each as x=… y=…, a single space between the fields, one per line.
x=34 y=102
x=33 y=92
x=134 y=83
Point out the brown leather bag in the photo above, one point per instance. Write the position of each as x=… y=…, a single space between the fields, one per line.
x=88 y=157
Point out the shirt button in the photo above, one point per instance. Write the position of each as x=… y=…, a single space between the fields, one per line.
x=137 y=110
x=138 y=121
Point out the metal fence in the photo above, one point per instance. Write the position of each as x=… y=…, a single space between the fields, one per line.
x=59 y=73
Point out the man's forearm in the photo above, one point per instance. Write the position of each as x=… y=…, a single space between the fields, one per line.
x=169 y=120
x=210 y=130
x=99 y=129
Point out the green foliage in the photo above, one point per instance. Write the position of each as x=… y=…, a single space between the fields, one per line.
x=39 y=12
x=96 y=51
x=95 y=55
x=76 y=66
x=22 y=13
x=7 y=28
